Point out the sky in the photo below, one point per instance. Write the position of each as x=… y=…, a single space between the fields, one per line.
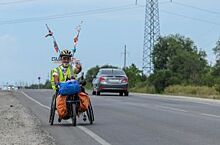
x=107 y=26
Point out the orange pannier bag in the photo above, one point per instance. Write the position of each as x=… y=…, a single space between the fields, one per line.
x=84 y=102
x=61 y=106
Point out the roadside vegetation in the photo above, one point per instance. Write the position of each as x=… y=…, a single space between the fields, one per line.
x=179 y=68
x=46 y=85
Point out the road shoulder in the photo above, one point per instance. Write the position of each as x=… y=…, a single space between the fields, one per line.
x=18 y=125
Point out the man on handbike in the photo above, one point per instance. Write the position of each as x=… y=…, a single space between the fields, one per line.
x=64 y=72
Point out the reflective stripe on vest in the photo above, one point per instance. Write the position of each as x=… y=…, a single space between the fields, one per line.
x=71 y=71
x=60 y=74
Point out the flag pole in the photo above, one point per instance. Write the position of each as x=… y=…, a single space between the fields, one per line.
x=76 y=38
x=50 y=33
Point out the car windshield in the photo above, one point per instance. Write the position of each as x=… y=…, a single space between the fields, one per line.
x=112 y=72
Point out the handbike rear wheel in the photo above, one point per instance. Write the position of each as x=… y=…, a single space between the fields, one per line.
x=52 y=109
x=90 y=114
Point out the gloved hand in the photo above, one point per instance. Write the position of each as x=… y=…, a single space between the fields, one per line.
x=57 y=86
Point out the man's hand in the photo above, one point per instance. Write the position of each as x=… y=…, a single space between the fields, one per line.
x=78 y=68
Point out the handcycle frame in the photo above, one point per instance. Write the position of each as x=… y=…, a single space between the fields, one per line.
x=73 y=104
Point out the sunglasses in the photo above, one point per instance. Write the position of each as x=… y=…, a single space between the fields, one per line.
x=65 y=58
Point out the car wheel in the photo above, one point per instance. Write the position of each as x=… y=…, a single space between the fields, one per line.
x=98 y=93
x=126 y=93
x=120 y=93
x=93 y=92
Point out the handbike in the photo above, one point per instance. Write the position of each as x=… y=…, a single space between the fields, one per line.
x=73 y=104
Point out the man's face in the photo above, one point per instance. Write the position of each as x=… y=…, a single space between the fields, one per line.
x=65 y=61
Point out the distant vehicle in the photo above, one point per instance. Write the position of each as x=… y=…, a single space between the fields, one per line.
x=10 y=88
x=110 y=80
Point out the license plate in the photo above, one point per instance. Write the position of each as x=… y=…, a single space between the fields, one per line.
x=114 y=81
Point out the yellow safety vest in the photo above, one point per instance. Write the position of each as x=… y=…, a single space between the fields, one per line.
x=62 y=78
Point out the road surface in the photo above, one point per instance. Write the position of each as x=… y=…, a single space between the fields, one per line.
x=133 y=120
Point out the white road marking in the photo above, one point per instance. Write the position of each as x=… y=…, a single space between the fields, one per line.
x=207 y=101
x=171 y=108
x=35 y=100
x=84 y=129
x=198 y=113
x=210 y=115
x=93 y=135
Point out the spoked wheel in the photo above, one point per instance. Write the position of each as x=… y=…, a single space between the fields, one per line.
x=90 y=114
x=52 y=109
x=73 y=117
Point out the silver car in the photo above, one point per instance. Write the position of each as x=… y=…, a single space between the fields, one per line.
x=110 y=80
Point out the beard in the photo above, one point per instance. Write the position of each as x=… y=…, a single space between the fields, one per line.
x=65 y=65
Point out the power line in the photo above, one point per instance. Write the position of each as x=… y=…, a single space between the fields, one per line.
x=25 y=1
x=197 y=8
x=16 y=2
x=71 y=14
x=97 y=11
x=191 y=18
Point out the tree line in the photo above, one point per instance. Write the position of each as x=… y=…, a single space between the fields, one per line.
x=176 y=61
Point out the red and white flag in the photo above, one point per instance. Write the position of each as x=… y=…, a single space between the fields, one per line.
x=76 y=38
x=55 y=46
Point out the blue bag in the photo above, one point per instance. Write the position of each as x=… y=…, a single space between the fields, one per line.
x=69 y=88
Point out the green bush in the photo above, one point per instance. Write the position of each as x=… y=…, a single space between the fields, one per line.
x=145 y=89
x=88 y=86
x=200 y=91
x=160 y=80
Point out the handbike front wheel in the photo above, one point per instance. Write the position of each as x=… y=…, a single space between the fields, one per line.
x=52 y=109
x=73 y=116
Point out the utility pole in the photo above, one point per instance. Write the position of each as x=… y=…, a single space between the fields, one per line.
x=125 y=58
x=151 y=33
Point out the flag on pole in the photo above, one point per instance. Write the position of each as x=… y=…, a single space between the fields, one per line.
x=55 y=46
x=76 y=38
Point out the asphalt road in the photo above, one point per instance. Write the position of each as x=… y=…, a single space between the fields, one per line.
x=133 y=120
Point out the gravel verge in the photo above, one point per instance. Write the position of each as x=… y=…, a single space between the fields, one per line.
x=18 y=126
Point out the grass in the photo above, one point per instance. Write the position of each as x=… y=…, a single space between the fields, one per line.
x=193 y=91
x=146 y=89
x=179 y=90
